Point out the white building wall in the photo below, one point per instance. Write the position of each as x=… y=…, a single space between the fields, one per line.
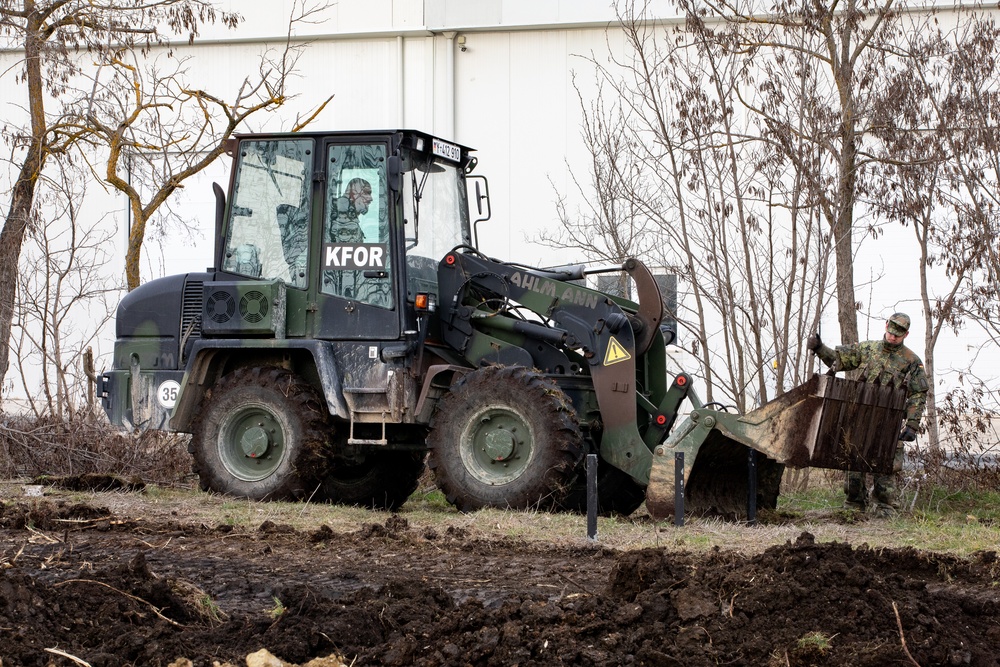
x=509 y=94
x=396 y=63
x=399 y=63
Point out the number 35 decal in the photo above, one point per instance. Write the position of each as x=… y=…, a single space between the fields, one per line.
x=166 y=393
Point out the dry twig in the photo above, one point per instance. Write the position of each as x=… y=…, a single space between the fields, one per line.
x=902 y=638
x=128 y=595
x=42 y=536
x=64 y=654
x=578 y=585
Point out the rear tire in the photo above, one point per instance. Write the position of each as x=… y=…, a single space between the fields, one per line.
x=383 y=481
x=261 y=435
x=504 y=437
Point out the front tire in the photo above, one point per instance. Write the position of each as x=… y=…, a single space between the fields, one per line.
x=504 y=437
x=261 y=435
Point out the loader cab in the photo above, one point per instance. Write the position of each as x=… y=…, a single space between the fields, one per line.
x=352 y=223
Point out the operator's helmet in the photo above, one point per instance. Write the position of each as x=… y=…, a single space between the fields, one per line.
x=899 y=324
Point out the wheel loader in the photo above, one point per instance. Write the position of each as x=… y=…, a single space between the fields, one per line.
x=350 y=331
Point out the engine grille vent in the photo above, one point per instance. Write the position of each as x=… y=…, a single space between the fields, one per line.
x=191 y=309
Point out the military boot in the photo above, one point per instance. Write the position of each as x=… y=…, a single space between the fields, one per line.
x=856 y=491
x=885 y=495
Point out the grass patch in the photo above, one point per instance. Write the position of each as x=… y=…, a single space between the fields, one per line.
x=430 y=498
x=817 y=641
x=817 y=497
x=939 y=501
x=944 y=525
x=278 y=610
x=961 y=517
x=211 y=609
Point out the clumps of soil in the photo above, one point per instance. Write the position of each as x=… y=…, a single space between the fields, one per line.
x=271 y=528
x=396 y=594
x=808 y=603
x=42 y=515
x=394 y=527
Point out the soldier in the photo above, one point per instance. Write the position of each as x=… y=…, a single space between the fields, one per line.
x=883 y=362
x=345 y=227
x=344 y=223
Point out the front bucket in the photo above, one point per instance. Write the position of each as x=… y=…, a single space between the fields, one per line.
x=828 y=422
x=716 y=473
x=719 y=479
x=858 y=425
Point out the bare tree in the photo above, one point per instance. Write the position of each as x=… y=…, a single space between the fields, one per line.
x=66 y=287
x=52 y=33
x=968 y=92
x=156 y=131
x=610 y=226
x=702 y=191
x=837 y=47
x=941 y=175
x=779 y=122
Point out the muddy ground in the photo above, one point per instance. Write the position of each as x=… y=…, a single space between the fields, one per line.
x=117 y=589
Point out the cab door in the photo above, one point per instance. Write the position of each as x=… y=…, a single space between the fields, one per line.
x=355 y=294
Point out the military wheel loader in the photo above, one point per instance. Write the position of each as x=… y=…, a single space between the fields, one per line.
x=350 y=331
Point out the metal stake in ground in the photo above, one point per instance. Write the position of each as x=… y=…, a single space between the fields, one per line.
x=592 y=497
x=679 y=489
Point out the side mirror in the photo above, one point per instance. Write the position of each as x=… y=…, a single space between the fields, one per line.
x=482 y=196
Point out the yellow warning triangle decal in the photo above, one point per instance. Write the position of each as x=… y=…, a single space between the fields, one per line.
x=616 y=353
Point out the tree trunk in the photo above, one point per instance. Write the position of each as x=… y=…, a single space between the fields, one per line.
x=136 y=235
x=11 y=239
x=843 y=226
x=843 y=243
x=23 y=193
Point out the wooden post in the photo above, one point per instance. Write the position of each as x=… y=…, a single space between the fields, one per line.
x=88 y=370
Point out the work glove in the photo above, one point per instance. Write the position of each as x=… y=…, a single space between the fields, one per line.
x=813 y=343
x=908 y=434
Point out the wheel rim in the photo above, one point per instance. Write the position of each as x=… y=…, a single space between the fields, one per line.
x=251 y=443
x=497 y=446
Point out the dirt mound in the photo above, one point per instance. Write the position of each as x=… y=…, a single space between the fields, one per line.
x=113 y=591
x=808 y=603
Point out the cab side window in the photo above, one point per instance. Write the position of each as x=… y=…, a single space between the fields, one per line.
x=268 y=231
x=356 y=257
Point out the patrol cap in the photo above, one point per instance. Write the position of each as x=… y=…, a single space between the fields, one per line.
x=899 y=324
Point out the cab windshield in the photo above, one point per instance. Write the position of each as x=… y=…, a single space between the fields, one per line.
x=436 y=217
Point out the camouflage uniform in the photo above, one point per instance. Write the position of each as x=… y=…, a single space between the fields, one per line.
x=344 y=223
x=345 y=227
x=882 y=363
